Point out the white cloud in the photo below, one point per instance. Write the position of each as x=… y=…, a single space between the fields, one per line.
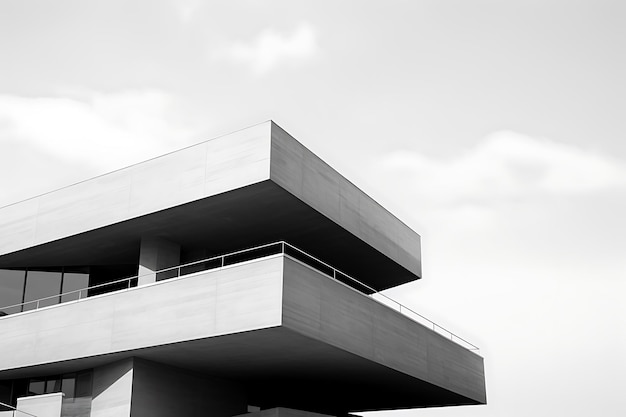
x=505 y=165
x=106 y=131
x=271 y=49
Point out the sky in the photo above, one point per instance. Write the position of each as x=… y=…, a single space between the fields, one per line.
x=494 y=129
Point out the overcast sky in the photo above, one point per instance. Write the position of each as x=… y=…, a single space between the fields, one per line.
x=495 y=129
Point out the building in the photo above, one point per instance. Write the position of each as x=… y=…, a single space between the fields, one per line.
x=239 y=275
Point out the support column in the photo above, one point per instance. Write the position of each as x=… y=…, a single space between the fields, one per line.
x=156 y=254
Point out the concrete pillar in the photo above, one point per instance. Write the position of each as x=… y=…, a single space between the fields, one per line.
x=156 y=254
x=112 y=389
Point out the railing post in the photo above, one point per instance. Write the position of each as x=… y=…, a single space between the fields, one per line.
x=37 y=306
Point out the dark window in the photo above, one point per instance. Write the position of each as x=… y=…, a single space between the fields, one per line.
x=108 y=278
x=48 y=385
x=68 y=385
x=6 y=394
x=74 y=280
x=42 y=288
x=53 y=385
x=11 y=290
x=37 y=387
x=83 y=384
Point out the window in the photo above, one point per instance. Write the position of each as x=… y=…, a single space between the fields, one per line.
x=11 y=290
x=37 y=387
x=72 y=385
x=68 y=383
x=74 y=279
x=42 y=286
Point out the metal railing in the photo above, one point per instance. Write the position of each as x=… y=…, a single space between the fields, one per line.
x=232 y=258
x=7 y=410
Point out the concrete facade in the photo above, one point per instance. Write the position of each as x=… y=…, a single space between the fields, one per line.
x=240 y=324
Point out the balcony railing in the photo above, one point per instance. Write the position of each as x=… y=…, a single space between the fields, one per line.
x=245 y=255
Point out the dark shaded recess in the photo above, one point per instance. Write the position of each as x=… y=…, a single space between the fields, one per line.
x=107 y=278
x=338 y=398
x=251 y=254
x=283 y=368
x=239 y=219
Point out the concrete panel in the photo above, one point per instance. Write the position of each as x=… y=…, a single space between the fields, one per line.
x=307 y=177
x=84 y=206
x=163 y=182
x=237 y=298
x=18 y=225
x=203 y=170
x=164 y=391
x=47 y=405
x=319 y=307
x=112 y=389
x=238 y=159
x=249 y=298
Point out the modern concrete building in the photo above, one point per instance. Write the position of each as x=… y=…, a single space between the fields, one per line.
x=239 y=275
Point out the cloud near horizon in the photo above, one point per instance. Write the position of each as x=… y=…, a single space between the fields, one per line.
x=106 y=131
x=504 y=166
x=272 y=48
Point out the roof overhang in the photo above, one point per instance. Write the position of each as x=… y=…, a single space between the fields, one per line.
x=251 y=187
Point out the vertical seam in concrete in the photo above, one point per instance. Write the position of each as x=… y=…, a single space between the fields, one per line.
x=269 y=168
x=282 y=289
x=206 y=163
x=130 y=194
x=36 y=221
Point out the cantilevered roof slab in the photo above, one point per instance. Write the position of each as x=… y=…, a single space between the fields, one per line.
x=250 y=187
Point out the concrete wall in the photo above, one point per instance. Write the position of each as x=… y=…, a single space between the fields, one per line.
x=112 y=389
x=313 y=181
x=237 y=298
x=47 y=405
x=164 y=391
x=203 y=170
x=321 y=308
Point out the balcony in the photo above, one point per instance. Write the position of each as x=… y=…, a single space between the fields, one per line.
x=269 y=316
x=233 y=258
